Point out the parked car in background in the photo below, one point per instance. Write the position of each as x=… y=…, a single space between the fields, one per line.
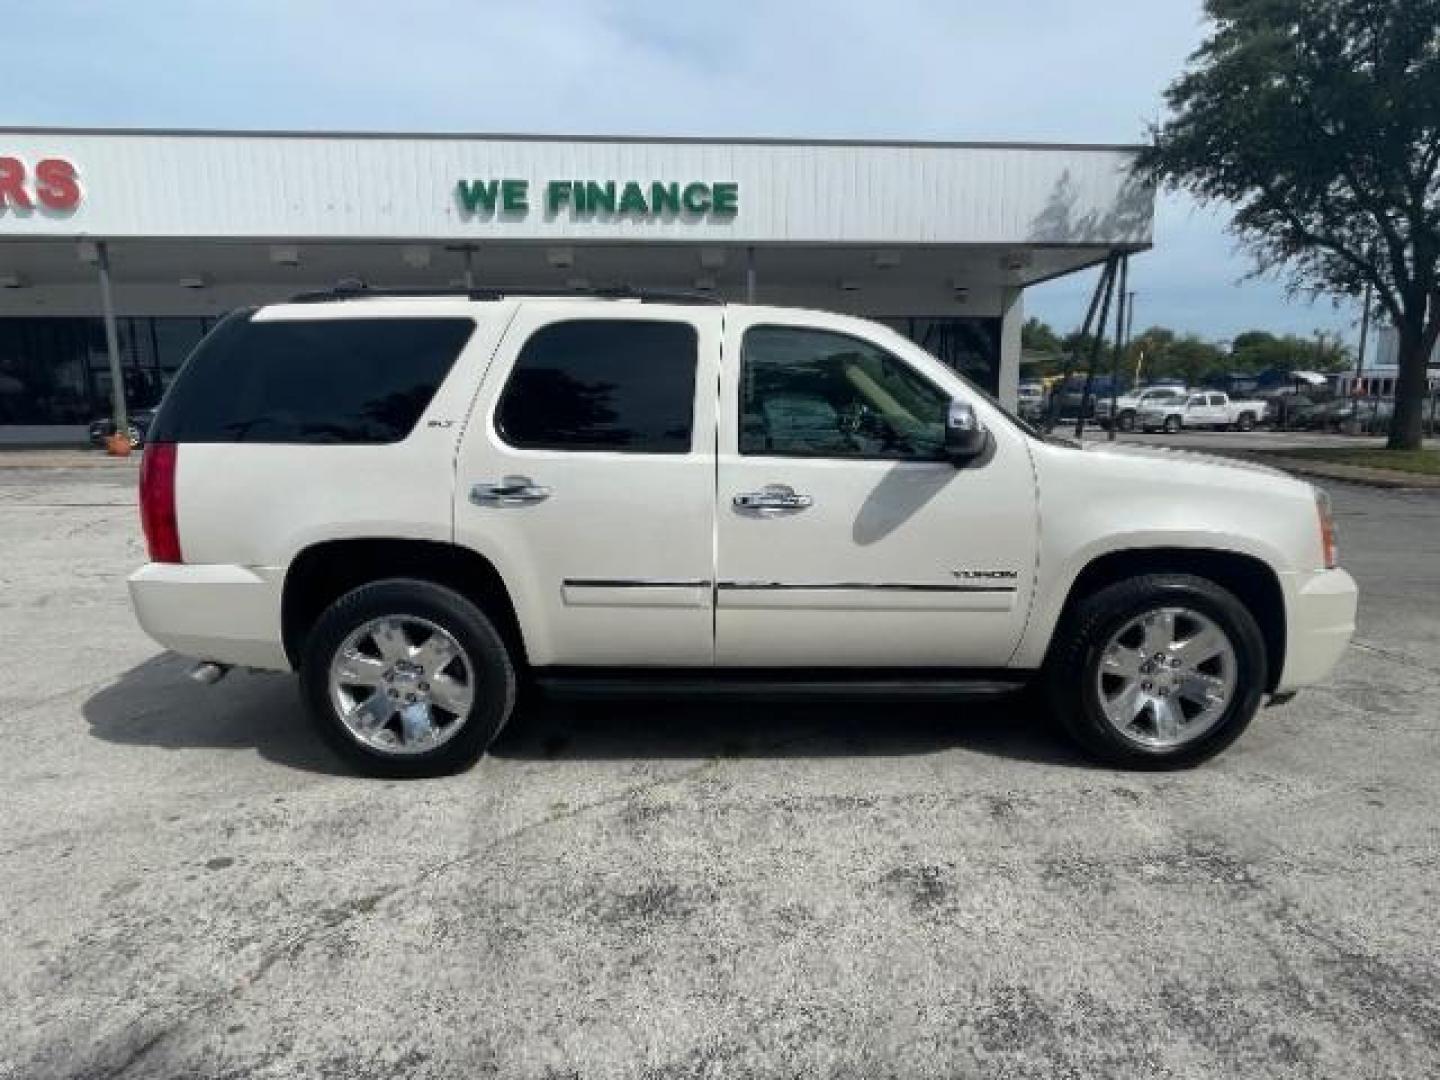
x=421 y=503
x=138 y=426
x=1129 y=406
x=1204 y=409
x=1032 y=401
x=1069 y=395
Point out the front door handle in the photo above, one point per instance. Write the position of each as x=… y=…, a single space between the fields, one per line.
x=773 y=499
x=511 y=491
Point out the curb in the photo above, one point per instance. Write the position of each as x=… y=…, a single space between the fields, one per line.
x=1386 y=479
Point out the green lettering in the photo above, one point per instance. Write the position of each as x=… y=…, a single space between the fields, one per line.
x=665 y=197
x=516 y=194
x=557 y=194
x=632 y=200
x=696 y=198
x=600 y=196
x=727 y=198
x=475 y=195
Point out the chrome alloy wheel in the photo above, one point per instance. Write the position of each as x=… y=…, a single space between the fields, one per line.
x=402 y=685
x=1167 y=677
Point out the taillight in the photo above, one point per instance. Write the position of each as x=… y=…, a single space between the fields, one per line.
x=157 y=502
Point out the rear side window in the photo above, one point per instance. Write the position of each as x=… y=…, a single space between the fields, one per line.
x=313 y=381
x=603 y=384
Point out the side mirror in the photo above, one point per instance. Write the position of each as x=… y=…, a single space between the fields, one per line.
x=965 y=436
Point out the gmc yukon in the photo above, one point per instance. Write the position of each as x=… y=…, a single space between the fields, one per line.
x=421 y=503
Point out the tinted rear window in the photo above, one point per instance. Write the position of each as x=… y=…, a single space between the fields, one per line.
x=316 y=381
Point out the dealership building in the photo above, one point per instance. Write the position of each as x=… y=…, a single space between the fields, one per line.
x=136 y=242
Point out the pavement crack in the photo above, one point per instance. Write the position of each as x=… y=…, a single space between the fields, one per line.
x=1400 y=658
x=334 y=919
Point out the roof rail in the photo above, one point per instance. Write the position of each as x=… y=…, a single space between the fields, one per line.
x=354 y=290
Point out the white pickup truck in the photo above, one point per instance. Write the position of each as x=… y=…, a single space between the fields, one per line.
x=422 y=503
x=1200 y=409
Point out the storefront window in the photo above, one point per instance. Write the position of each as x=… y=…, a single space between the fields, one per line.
x=57 y=371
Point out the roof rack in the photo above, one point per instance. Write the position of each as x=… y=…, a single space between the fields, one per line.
x=354 y=290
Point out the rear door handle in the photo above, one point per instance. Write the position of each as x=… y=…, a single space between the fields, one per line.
x=510 y=491
x=773 y=499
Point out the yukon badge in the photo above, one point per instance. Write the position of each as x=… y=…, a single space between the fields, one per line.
x=986 y=575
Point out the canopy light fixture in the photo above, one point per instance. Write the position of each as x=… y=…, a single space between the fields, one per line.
x=12 y=281
x=561 y=258
x=281 y=255
x=706 y=283
x=415 y=256
x=712 y=258
x=849 y=285
x=89 y=252
x=887 y=260
x=195 y=281
x=577 y=283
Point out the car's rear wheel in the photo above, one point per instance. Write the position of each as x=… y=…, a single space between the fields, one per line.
x=407 y=678
x=1246 y=422
x=1160 y=671
x=1172 y=425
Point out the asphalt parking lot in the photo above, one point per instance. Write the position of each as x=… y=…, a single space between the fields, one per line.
x=193 y=887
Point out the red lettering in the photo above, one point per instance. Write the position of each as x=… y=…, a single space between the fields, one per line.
x=55 y=184
x=12 y=185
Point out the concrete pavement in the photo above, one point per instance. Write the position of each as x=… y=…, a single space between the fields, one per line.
x=193 y=887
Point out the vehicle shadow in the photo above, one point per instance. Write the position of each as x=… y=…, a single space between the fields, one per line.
x=155 y=704
x=619 y=730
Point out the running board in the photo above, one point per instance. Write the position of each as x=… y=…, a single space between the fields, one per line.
x=768 y=684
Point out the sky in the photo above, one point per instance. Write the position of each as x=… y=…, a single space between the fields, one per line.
x=1038 y=70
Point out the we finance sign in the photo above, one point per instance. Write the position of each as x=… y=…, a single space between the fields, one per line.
x=599 y=198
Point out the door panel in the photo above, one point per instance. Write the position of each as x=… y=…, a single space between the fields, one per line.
x=889 y=557
x=608 y=545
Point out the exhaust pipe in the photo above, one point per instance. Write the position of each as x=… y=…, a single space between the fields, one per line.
x=209 y=672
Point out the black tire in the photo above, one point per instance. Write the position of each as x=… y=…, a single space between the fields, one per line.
x=1172 y=425
x=1246 y=422
x=485 y=650
x=1071 y=669
x=1127 y=420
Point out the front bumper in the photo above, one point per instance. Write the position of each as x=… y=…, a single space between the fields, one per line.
x=229 y=614
x=1321 y=623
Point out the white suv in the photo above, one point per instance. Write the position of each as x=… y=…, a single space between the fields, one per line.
x=421 y=502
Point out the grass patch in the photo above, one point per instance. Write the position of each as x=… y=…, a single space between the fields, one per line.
x=1426 y=462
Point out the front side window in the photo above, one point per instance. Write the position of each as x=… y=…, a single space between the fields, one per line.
x=603 y=384
x=816 y=393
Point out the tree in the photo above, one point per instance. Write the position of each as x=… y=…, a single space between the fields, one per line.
x=1036 y=336
x=1319 y=120
x=1257 y=351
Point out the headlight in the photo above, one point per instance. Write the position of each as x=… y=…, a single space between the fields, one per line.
x=1329 y=545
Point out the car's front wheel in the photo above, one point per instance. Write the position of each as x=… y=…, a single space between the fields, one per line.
x=1159 y=671
x=1127 y=421
x=1172 y=425
x=407 y=678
